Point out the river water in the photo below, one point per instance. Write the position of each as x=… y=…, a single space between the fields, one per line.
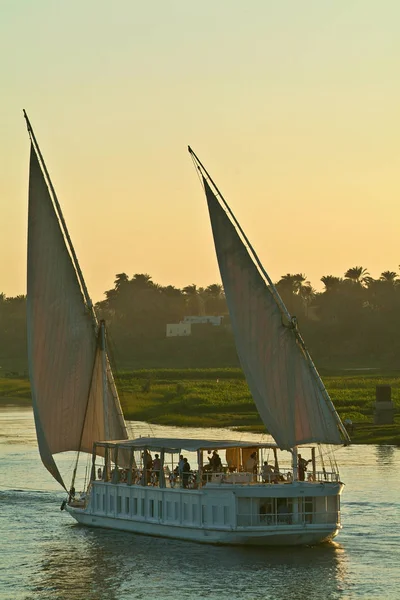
x=46 y=555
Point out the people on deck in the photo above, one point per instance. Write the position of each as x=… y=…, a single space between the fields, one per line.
x=156 y=469
x=147 y=466
x=302 y=466
x=267 y=473
x=185 y=473
x=179 y=468
x=215 y=462
x=251 y=465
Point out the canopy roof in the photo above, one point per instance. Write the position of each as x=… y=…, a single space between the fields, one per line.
x=178 y=444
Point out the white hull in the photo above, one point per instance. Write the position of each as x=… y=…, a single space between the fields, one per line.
x=184 y=522
x=287 y=535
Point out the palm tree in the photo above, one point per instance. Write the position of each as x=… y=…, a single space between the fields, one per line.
x=389 y=276
x=192 y=298
x=331 y=282
x=190 y=290
x=291 y=283
x=215 y=290
x=120 y=279
x=357 y=274
x=142 y=280
x=214 y=298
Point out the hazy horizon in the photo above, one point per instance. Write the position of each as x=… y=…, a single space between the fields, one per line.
x=292 y=107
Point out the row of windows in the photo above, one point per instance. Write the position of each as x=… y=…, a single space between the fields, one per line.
x=137 y=507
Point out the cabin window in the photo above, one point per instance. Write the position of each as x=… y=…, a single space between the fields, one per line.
x=119 y=504
x=308 y=509
x=127 y=505
x=151 y=508
x=284 y=511
x=332 y=508
x=226 y=515
x=142 y=511
x=111 y=503
x=266 y=511
x=160 y=511
x=134 y=507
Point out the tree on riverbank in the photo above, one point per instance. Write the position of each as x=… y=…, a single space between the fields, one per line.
x=354 y=321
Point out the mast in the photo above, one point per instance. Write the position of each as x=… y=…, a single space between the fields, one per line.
x=291 y=321
x=104 y=379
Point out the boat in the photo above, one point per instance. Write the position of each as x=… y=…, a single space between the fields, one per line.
x=218 y=491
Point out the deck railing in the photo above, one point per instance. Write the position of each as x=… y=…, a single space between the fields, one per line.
x=194 y=479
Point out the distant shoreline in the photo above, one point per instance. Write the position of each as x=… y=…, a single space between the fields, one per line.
x=364 y=433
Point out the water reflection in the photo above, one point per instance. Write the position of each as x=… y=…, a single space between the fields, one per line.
x=76 y=567
x=94 y=564
x=384 y=454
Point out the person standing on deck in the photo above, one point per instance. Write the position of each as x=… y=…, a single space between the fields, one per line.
x=302 y=467
x=185 y=472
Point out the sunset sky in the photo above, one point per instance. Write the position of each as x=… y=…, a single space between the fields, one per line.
x=292 y=106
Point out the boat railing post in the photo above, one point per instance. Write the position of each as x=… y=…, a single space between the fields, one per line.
x=115 y=477
x=107 y=469
x=130 y=468
x=93 y=473
x=200 y=468
x=313 y=462
x=161 y=475
x=295 y=464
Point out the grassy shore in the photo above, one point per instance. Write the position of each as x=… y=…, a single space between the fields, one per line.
x=220 y=398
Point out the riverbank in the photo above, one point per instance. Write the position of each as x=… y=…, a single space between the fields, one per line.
x=220 y=398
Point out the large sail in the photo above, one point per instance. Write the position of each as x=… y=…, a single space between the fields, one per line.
x=62 y=340
x=289 y=396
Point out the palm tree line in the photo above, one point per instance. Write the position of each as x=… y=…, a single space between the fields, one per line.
x=354 y=316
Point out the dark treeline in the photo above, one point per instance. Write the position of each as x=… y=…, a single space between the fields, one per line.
x=354 y=321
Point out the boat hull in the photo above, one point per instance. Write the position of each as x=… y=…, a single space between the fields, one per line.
x=216 y=514
x=289 y=535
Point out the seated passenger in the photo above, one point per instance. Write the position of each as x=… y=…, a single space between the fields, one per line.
x=267 y=473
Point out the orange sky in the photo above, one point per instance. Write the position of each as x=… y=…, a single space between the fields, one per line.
x=292 y=106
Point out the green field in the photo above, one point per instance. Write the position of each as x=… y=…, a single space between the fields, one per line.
x=220 y=398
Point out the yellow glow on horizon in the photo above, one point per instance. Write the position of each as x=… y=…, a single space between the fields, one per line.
x=292 y=107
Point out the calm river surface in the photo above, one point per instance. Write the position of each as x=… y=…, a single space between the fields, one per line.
x=45 y=555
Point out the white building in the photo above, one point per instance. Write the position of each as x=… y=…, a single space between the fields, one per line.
x=178 y=329
x=203 y=319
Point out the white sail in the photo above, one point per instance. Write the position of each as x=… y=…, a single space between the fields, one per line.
x=289 y=396
x=62 y=340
